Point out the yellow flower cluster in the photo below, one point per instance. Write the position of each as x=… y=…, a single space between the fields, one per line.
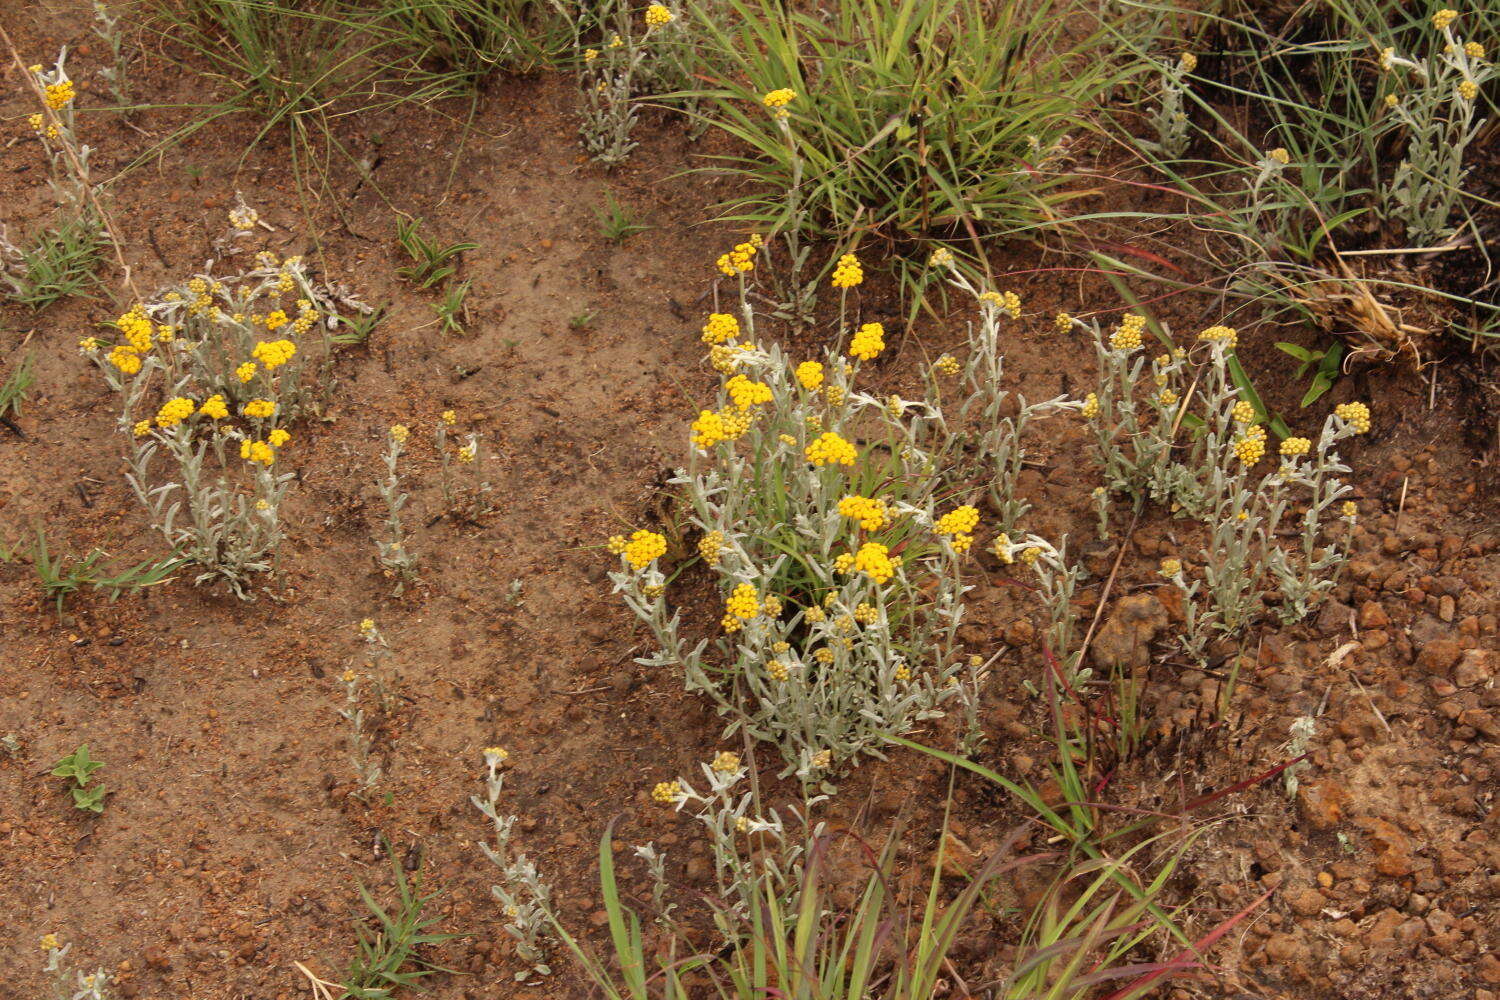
x=1188 y=62
x=1350 y=509
x=941 y=257
x=1225 y=335
x=1090 y=408
x=777 y=670
x=1061 y=322
x=141 y=428
x=868 y=341
x=274 y=353
x=1444 y=17
x=1243 y=412
x=711 y=428
x=1007 y=302
x=495 y=756
x=1127 y=336
x=1473 y=50
x=779 y=98
x=1355 y=414
x=60 y=94
x=666 y=792
x=847 y=272
x=643 y=547
x=866 y=614
x=744 y=602
x=257 y=451
x=260 y=409
x=1167 y=397
x=874 y=560
x=720 y=327
x=830 y=449
x=1170 y=568
x=1295 y=446
x=810 y=374
x=725 y=761
x=948 y=365
x=1280 y=155
x=1252 y=445
x=399 y=433
x=658 y=16
x=871 y=514
x=175 y=411
x=959 y=521
x=746 y=393
x=214 y=407
x=42 y=127
x=246 y=371
x=278 y=437
x=1467 y=90
x=737 y=261
x=711 y=546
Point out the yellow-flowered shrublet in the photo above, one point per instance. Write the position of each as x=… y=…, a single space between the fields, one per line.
x=737 y=261
x=1006 y=302
x=666 y=792
x=1226 y=335
x=644 y=547
x=1251 y=445
x=847 y=272
x=743 y=602
x=720 y=327
x=399 y=433
x=125 y=359
x=1188 y=62
x=1350 y=509
x=1444 y=17
x=136 y=326
x=1090 y=408
x=947 y=365
x=59 y=95
x=1467 y=90
x=1127 y=336
x=141 y=428
x=871 y=513
x=1170 y=568
x=260 y=409
x=1243 y=412
x=257 y=451
x=175 y=411
x=810 y=375
x=658 y=16
x=214 y=407
x=278 y=437
x=1293 y=447
x=868 y=341
x=1357 y=415
x=273 y=353
x=711 y=546
x=246 y=371
x=830 y=449
x=495 y=756
x=747 y=393
x=874 y=560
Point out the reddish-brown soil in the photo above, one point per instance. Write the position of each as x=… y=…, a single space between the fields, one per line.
x=231 y=848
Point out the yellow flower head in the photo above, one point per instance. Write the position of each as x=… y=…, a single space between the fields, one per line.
x=1252 y=445
x=666 y=792
x=725 y=762
x=744 y=602
x=947 y=365
x=246 y=371
x=871 y=513
x=175 y=411
x=710 y=546
x=449 y=418
x=260 y=409
x=1473 y=50
x=274 y=353
x=276 y=321
x=868 y=341
x=747 y=393
x=959 y=521
x=1188 y=62
x=830 y=449
x=1127 y=336
x=214 y=407
x=1350 y=509
x=1170 y=568
x=1225 y=335
x=873 y=559
x=643 y=547
x=810 y=374
x=941 y=257
x=847 y=272
x=60 y=94
x=399 y=433
x=720 y=327
x=141 y=428
x=278 y=437
x=495 y=756
x=779 y=98
x=1243 y=412
x=658 y=16
x=1468 y=90
x=1357 y=415
x=125 y=359
x=589 y=55
x=257 y=451
x=1295 y=446
x=1443 y=18
x=1090 y=408
x=1280 y=155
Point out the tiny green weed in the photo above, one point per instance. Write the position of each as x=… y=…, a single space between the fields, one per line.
x=53 y=264
x=453 y=309
x=391 y=941
x=431 y=263
x=14 y=389
x=617 y=222
x=62 y=576
x=79 y=768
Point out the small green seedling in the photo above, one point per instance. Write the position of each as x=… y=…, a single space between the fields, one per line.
x=1324 y=364
x=581 y=321
x=452 y=310
x=80 y=767
x=431 y=264
x=617 y=221
x=13 y=391
x=61 y=576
